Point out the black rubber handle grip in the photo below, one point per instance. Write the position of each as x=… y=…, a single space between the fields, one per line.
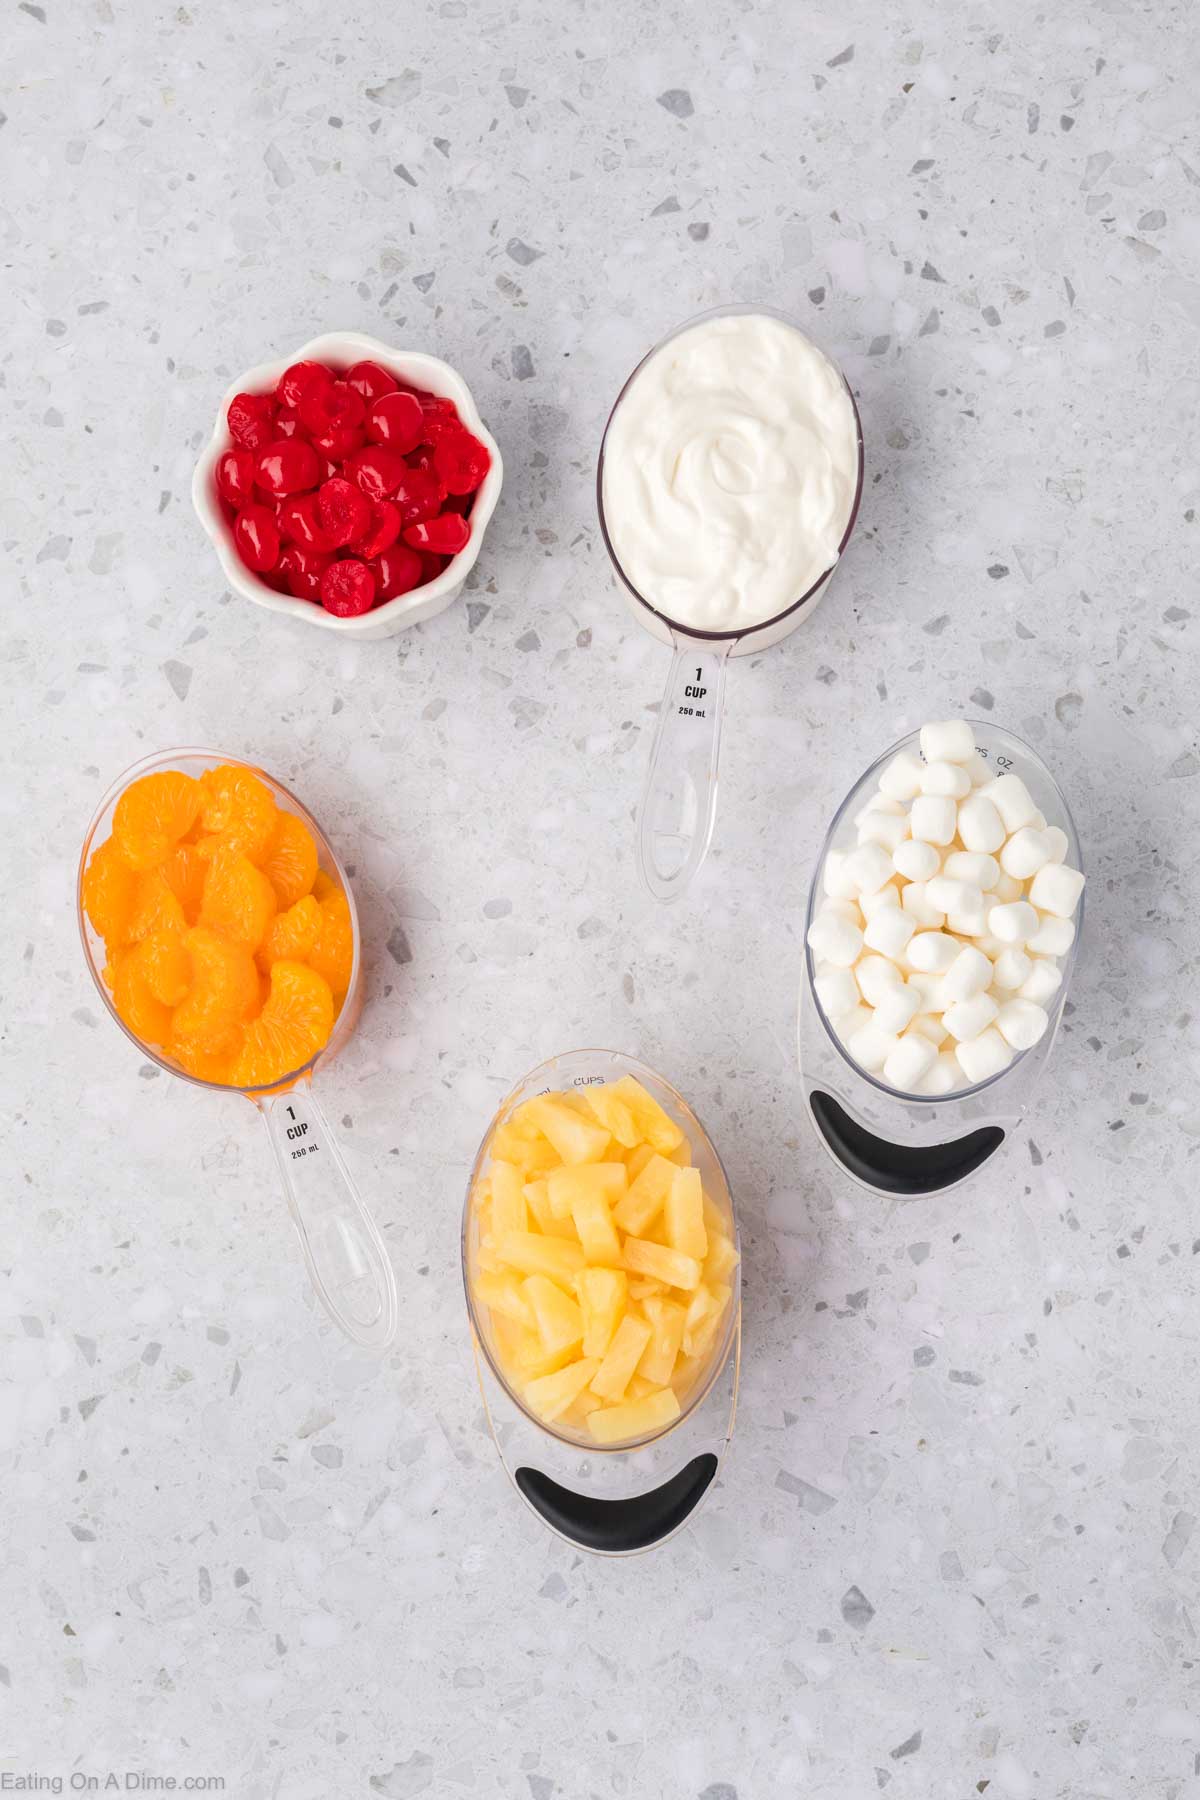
x=900 y=1168
x=617 y=1526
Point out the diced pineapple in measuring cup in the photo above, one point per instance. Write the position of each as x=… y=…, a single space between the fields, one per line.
x=637 y=1159
x=535 y=1254
x=721 y=1261
x=648 y=1190
x=559 y=1320
x=685 y=1215
x=663 y=1263
x=621 y=1358
x=503 y=1294
x=611 y=1111
x=508 y=1199
x=635 y=1418
x=603 y=1296
x=597 y=1233
x=605 y=1181
x=575 y=1139
x=550 y=1395
x=665 y=1318
x=655 y=1125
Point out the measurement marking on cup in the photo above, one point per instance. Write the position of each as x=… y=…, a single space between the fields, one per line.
x=300 y=1130
x=694 y=691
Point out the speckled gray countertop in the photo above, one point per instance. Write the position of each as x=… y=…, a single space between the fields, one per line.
x=954 y=1548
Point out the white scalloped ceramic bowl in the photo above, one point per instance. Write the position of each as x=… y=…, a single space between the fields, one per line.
x=412 y=366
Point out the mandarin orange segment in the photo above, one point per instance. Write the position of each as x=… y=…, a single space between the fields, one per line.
x=166 y=965
x=290 y=864
x=209 y=1064
x=155 y=907
x=146 y=1017
x=291 y=934
x=153 y=814
x=323 y=885
x=239 y=901
x=108 y=890
x=332 y=955
x=294 y=1024
x=223 y=991
x=238 y=810
x=184 y=872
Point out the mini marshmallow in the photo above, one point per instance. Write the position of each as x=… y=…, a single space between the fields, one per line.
x=887 y=895
x=1042 y=982
x=888 y=829
x=1012 y=800
x=870 y=1047
x=931 y=990
x=879 y=803
x=979 y=770
x=946 y=778
x=1025 y=852
x=991 y=946
x=1054 y=889
x=915 y=860
x=851 y=1022
x=1059 y=844
x=1013 y=923
x=930 y=1028
x=1038 y=821
x=889 y=931
x=979 y=824
x=933 y=818
x=972 y=867
x=1021 y=1023
x=868 y=868
x=842 y=909
x=968 y=1018
x=951 y=740
x=1006 y=888
x=969 y=920
x=970 y=973
x=1012 y=967
x=933 y=952
x=834 y=879
x=953 y=896
x=1053 y=936
x=984 y=1056
x=833 y=939
x=912 y=1058
x=898 y=1008
x=836 y=989
x=901 y=780
x=944 y=1076
x=916 y=903
x=875 y=975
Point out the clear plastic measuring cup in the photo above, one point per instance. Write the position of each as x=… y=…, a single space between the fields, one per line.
x=346 y=1258
x=679 y=802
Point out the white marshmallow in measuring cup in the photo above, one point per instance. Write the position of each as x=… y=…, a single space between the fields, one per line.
x=971 y=866
x=897 y=1009
x=875 y=975
x=1021 y=1023
x=1059 y=843
x=1053 y=936
x=869 y=867
x=917 y=904
x=901 y=780
x=834 y=879
x=932 y=952
x=930 y=1028
x=879 y=803
x=1025 y=852
x=889 y=931
x=969 y=919
x=1005 y=888
x=979 y=824
x=949 y=895
x=984 y=1056
x=943 y=1077
x=850 y=1022
x=870 y=1047
x=1056 y=889
x=970 y=973
x=931 y=989
x=933 y=818
x=887 y=895
x=1014 y=922
x=946 y=778
x=912 y=1058
x=948 y=740
x=967 y=1019
x=915 y=860
x=1011 y=968
x=836 y=989
x=843 y=909
x=1042 y=982
x=979 y=770
x=888 y=829
x=1012 y=800
x=833 y=939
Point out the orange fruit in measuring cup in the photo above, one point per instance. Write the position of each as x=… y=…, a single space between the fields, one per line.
x=294 y=1024
x=153 y=815
x=222 y=991
x=291 y=934
x=239 y=902
x=156 y=907
x=109 y=885
x=290 y=864
x=238 y=811
x=332 y=955
x=184 y=871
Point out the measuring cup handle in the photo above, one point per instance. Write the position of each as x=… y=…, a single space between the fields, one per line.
x=347 y=1260
x=679 y=804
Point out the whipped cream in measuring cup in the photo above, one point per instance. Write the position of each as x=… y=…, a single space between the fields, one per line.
x=730 y=471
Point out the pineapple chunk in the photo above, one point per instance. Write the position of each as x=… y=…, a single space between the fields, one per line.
x=534 y=1254
x=685 y=1215
x=503 y=1294
x=581 y=1406
x=538 y=1198
x=602 y=1295
x=574 y=1137
x=559 y=1320
x=680 y=1155
x=597 y=1233
x=532 y=1155
x=521 y=1353
x=550 y=1395
x=721 y=1261
x=636 y=1418
x=666 y=1319
x=621 y=1358
x=652 y=1122
x=637 y=1159
x=639 y=1208
x=667 y=1265
x=639 y=1387
x=605 y=1181
x=508 y=1199
x=703 y=1316
x=715 y=1222
x=613 y=1114
x=644 y=1285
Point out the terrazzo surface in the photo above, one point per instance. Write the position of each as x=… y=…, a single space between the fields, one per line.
x=953 y=1550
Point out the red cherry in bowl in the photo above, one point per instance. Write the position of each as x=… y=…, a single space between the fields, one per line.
x=397 y=571
x=235 y=476
x=302 y=571
x=299 y=380
x=343 y=511
x=299 y=523
x=256 y=537
x=347 y=588
x=378 y=470
x=371 y=380
x=396 y=420
x=287 y=466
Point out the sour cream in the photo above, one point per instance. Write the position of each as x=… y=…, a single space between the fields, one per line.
x=730 y=471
